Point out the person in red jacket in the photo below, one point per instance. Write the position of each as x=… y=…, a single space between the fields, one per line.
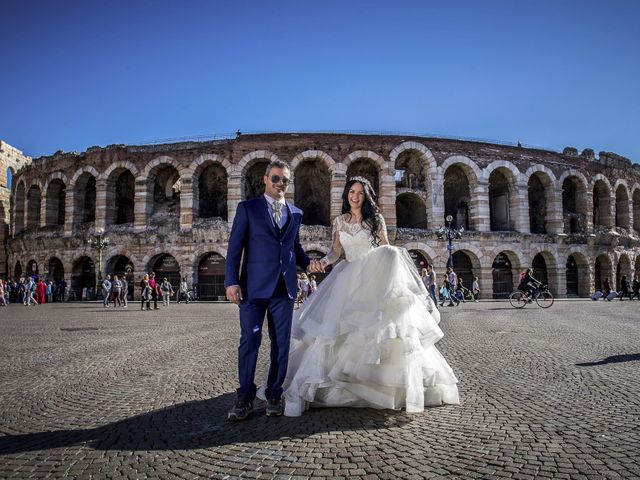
x=41 y=290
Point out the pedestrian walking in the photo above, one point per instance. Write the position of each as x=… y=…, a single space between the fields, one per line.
x=145 y=292
x=167 y=291
x=116 y=290
x=106 y=291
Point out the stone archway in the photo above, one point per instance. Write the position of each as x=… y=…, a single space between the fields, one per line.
x=502 y=273
x=367 y=168
x=17 y=270
x=55 y=203
x=33 y=206
x=457 y=196
x=622 y=207
x=601 y=204
x=253 y=179
x=419 y=259
x=623 y=268
x=313 y=192
x=537 y=203
x=636 y=212
x=463 y=267
x=574 y=205
x=163 y=196
x=411 y=211
x=56 y=269
x=212 y=192
x=120 y=200
x=165 y=265
x=83 y=279
x=603 y=269
x=84 y=199
x=211 y=269
x=540 y=269
x=123 y=267
x=501 y=194
x=18 y=217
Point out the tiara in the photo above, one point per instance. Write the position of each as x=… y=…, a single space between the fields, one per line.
x=360 y=179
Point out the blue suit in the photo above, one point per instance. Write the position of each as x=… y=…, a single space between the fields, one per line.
x=268 y=279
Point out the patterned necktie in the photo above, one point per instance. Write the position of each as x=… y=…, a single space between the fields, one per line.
x=277 y=213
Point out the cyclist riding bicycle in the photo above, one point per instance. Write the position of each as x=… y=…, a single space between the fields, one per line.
x=528 y=284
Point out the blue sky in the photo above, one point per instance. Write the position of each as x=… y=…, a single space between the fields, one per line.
x=546 y=73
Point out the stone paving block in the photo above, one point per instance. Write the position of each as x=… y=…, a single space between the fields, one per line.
x=124 y=394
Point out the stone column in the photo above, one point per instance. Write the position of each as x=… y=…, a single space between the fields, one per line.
x=435 y=203
x=387 y=200
x=186 y=203
x=102 y=206
x=69 y=213
x=140 y=210
x=485 y=279
x=338 y=181
x=43 y=209
x=585 y=205
x=520 y=208
x=554 y=216
x=234 y=191
x=480 y=216
x=557 y=278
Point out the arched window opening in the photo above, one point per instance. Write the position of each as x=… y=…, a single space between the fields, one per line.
x=123 y=267
x=573 y=206
x=411 y=211
x=33 y=207
x=463 y=267
x=411 y=171
x=622 y=207
x=212 y=192
x=313 y=192
x=364 y=167
x=166 y=266
x=539 y=267
x=55 y=207
x=457 y=196
x=85 y=199
x=601 y=204
x=537 y=205
x=83 y=280
x=502 y=276
x=253 y=179
x=211 y=277
x=499 y=202
x=572 y=277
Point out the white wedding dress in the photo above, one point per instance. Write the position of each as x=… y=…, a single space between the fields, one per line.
x=366 y=337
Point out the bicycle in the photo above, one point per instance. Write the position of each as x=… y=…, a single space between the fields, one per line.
x=541 y=295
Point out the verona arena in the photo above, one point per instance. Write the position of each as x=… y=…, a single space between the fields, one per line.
x=573 y=217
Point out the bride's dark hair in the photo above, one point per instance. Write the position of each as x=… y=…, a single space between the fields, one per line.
x=370 y=211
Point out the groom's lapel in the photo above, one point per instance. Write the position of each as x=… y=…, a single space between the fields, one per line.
x=264 y=210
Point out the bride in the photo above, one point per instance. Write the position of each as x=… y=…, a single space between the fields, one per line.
x=366 y=337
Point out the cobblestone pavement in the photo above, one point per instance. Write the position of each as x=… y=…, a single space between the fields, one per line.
x=87 y=392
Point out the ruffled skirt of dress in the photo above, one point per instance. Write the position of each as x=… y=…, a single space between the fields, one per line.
x=366 y=339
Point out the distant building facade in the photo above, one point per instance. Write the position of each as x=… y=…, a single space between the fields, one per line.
x=573 y=218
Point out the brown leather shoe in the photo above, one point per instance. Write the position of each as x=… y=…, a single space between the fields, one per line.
x=241 y=410
x=275 y=408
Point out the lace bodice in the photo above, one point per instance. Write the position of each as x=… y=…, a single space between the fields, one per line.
x=352 y=238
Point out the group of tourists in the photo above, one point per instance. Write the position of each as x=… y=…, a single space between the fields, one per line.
x=307 y=285
x=32 y=291
x=452 y=289
x=152 y=290
x=627 y=290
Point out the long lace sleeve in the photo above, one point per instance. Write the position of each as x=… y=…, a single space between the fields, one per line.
x=336 y=247
x=382 y=232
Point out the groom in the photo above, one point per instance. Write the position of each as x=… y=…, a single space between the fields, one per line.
x=265 y=236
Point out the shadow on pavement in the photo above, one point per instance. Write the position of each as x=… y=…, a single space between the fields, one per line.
x=632 y=357
x=203 y=424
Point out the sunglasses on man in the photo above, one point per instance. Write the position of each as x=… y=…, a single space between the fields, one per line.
x=277 y=179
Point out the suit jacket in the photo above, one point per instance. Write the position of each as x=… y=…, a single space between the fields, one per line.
x=266 y=252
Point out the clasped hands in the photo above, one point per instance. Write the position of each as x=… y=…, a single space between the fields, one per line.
x=316 y=266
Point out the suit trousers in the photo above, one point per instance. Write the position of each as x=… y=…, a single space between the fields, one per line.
x=279 y=312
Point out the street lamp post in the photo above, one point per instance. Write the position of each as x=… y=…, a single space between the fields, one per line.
x=449 y=233
x=99 y=241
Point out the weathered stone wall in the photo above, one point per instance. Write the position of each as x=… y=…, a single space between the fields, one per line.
x=14 y=159
x=477 y=181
